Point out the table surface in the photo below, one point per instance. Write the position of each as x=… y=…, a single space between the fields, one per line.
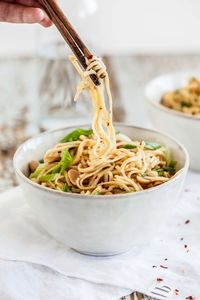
x=19 y=100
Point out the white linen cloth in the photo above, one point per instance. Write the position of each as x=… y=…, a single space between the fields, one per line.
x=169 y=266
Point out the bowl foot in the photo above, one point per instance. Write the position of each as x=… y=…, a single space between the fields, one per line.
x=103 y=254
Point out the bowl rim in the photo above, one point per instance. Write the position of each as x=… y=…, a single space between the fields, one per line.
x=163 y=108
x=95 y=197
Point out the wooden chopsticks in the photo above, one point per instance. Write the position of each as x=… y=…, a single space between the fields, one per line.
x=69 y=34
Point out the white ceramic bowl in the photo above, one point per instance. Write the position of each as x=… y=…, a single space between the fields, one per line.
x=100 y=225
x=179 y=125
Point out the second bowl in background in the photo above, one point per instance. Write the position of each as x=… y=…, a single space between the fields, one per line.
x=185 y=128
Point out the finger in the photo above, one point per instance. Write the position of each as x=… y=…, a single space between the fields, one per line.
x=32 y=3
x=46 y=22
x=16 y=13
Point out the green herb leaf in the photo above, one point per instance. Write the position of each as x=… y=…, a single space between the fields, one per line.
x=129 y=146
x=75 y=135
x=37 y=171
x=66 y=188
x=55 y=169
x=185 y=104
x=152 y=145
x=59 y=189
x=50 y=177
x=66 y=160
x=160 y=171
x=117 y=132
x=171 y=163
x=144 y=174
x=169 y=158
x=170 y=169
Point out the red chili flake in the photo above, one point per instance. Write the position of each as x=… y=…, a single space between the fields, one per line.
x=190 y=298
x=176 y=291
x=164 y=267
x=159 y=279
x=185 y=246
x=187 y=221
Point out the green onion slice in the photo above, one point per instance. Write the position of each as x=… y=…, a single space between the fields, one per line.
x=66 y=188
x=152 y=145
x=129 y=146
x=37 y=171
x=50 y=177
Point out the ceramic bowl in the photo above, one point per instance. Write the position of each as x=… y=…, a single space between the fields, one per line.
x=100 y=225
x=183 y=127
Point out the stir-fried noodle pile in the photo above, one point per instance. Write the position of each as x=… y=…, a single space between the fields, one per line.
x=186 y=99
x=100 y=161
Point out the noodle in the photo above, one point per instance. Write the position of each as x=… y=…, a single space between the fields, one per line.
x=186 y=99
x=99 y=161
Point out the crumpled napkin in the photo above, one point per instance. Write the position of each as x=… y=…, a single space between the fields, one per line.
x=168 y=267
x=26 y=281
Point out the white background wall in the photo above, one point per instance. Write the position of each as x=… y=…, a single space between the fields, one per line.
x=121 y=26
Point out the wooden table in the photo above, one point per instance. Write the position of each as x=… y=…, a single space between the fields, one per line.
x=19 y=101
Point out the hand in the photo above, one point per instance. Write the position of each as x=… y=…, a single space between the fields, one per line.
x=23 y=11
